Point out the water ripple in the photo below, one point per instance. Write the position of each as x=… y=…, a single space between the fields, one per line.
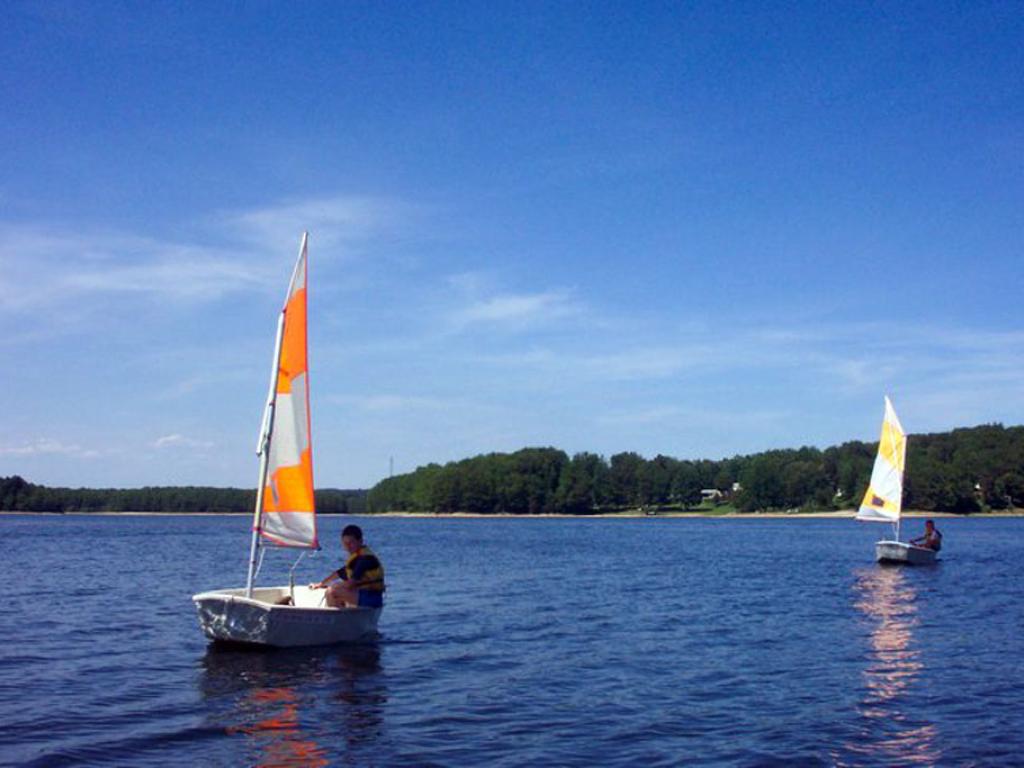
x=524 y=642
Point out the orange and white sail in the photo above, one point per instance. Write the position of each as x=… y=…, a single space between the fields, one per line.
x=883 y=501
x=288 y=514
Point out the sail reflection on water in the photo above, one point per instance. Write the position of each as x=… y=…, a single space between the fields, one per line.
x=271 y=720
x=297 y=708
x=891 y=733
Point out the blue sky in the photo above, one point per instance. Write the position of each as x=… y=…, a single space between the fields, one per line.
x=697 y=229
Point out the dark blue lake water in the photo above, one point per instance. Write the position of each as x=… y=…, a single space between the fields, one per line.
x=522 y=642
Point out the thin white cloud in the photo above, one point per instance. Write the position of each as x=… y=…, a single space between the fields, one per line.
x=388 y=403
x=481 y=304
x=43 y=268
x=190 y=277
x=860 y=374
x=176 y=441
x=45 y=446
x=515 y=311
x=678 y=417
x=650 y=363
x=930 y=358
x=46 y=266
x=641 y=417
x=332 y=222
x=225 y=371
x=629 y=365
x=471 y=284
x=964 y=374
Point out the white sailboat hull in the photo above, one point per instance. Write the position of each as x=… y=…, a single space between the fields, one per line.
x=901 y=553
x=228 y=615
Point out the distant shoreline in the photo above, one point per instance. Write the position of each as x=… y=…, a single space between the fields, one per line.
x=845 y=514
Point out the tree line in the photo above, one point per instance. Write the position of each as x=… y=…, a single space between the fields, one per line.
x=17 y=494
x=963 y=471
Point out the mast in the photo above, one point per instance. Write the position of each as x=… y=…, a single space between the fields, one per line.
x=903 y=467
x=263 y=451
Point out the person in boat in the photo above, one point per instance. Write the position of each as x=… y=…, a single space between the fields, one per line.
x=360 y=581
x=932 y=539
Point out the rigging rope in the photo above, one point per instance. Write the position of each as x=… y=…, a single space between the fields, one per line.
x=259 y=565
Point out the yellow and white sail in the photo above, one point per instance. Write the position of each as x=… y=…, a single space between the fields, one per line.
x=883 y=501
x=288 y=514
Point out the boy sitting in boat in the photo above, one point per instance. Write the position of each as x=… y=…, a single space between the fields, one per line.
x=932 y=539
x=360 y=580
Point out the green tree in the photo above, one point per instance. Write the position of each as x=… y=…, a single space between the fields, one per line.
x=579 y=487
x=762 y=484
x=654 y=480
x=1008 y=489
x=686 y=485
x=622 y=478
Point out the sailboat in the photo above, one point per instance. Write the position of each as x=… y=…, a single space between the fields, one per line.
x=285 y=512
x=883 y=501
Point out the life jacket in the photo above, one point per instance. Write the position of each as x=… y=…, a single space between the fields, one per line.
x=937 y=541
x=372 y=576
